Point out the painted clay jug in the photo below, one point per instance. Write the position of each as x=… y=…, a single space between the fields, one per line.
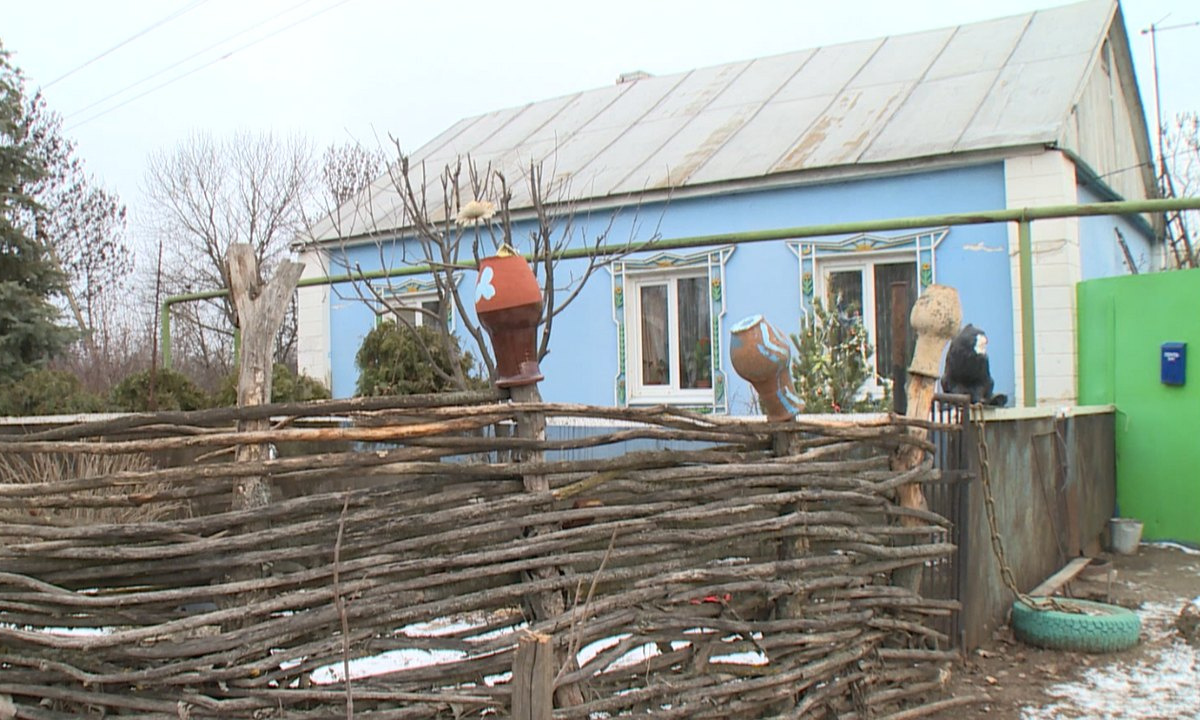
x=508 y=301
x=762 y=356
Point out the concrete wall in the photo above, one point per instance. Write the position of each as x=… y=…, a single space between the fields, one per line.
x=1122 y=325
x=1053 y=483
x=1046 y=178
x=312 y=304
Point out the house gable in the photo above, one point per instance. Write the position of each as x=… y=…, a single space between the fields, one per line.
x=1106 y=128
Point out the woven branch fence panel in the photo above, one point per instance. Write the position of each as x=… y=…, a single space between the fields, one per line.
x=672 y=567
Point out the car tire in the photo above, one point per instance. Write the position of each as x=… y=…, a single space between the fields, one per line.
x=1096 y=628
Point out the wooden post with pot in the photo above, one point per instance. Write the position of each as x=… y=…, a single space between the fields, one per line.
x=936 y=317
x=508 y=301
x=762 y=356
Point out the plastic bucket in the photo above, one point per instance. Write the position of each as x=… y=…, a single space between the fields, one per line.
x=1126 y=534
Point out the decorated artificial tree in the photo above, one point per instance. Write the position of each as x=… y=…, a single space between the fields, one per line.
x=832 y=363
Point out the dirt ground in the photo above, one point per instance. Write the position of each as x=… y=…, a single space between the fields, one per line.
x=1160 y=678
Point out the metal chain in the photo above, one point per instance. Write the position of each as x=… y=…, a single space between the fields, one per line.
x=989 y=505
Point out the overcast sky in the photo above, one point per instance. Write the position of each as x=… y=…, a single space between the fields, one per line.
x=339 y=70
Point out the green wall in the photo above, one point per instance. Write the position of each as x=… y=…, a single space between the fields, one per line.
x=1123 y=321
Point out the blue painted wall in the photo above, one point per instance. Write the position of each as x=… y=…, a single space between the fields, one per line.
x=760 y=277
x=1099 y=253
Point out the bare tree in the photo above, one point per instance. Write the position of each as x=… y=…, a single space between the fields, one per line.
x=83 y=227
x=456 y=215
x=1181 y=178
x=348 y=169
x=208 y=193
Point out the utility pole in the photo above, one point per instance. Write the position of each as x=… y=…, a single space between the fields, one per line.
x=1166 y=186
x=1153 y=32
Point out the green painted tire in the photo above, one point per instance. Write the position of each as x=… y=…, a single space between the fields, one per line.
x=1101 y=628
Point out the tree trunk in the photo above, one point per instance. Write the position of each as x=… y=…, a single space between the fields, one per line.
x=260 y=312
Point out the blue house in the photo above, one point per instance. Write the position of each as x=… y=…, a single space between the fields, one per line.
x=1030 y=110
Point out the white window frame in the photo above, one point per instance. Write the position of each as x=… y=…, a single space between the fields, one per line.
x=409 y=300
x=642 y=394
x=865 y=264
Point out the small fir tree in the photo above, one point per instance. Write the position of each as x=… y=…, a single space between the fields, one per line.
x=832 y=363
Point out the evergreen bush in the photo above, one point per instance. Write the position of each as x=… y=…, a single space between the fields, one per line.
x=48 y=392
x=395 y=360
x=172 y=391
x=286 y=387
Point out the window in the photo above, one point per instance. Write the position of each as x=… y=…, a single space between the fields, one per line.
x=868 y=291
x=670 y=317
x=668 y=310
x=875 y=278
x=414 y=309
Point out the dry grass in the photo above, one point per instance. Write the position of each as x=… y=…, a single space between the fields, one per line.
x=49 y=468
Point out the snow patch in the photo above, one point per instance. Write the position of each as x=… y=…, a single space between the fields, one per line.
x=408 y=658
x=752 y=657
x=387 y=662
x=1174 y=546
x=1164 y=684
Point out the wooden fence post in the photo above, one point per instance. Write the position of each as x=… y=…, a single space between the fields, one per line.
x=936 y=317
x=533 y=678
x=550 y=603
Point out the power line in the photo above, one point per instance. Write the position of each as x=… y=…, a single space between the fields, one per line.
x=214 y=61
x=182 y=11
x=172 y=66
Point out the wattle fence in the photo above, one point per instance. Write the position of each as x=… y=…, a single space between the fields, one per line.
x=417 y=546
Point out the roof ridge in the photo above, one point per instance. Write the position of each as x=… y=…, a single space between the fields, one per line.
x=640 y=117
x=995 y=83
x=813 y=49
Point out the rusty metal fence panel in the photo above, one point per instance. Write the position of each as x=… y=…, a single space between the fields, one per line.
x=949 y=496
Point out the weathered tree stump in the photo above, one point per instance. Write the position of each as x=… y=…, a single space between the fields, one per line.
x=260 y=310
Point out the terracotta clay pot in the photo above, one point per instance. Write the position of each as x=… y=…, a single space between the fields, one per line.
x=508 y=301
x=762 y=356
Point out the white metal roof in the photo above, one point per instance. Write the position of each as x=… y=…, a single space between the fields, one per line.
x=1000 y=83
